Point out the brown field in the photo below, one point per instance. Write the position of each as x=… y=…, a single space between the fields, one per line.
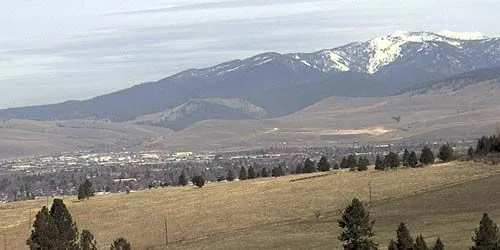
x=444 y=200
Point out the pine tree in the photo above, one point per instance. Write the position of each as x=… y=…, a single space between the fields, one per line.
x=427 y=157
x=121 y=244
x=379 y=163
x=66 y=229
x=323 y=164
x=264 y=173
x=336 y=166
x=470 y=153
x=420 y=243
x=391 y=160
x=198 y=181
x=182 y=181
x=299 y=169
x=357 y=227
x=445 y=153
x=85 y=190
x=277 y=172
x=87 y=241
x=343 y=163
x=406 y=158
x=309 y=166
x=438 y=245
x=487 y=235
x=243 y=174
x=392 y=245
x=351 y=162
x=404 y=239
x=44 y=231
x=230 y=175
x=363 y=164
x=251 y=173
x=412 y=159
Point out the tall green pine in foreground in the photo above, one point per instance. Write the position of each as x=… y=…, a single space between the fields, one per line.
x=420 y=243
x=427 y=156
x=43 y=233
x=323 y=164
x=66 y=228
x=438 y=245
x=357 y=228
x=120 y=244
x=487 y=236
x=404 y=241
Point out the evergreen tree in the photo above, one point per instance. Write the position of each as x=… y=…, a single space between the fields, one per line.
x=412 y=159
x=427 y=157
x=486 y=236
x=470 y=153
x=363 y=164
x=357 y=227
x=198 y=180
x=445 y=153
x=299 y=169
x=120 y=244
x=251 y=173
x=420 y=243
x=264 y=173
x=182 y=181
x=87 y=241
x=336 y=166
x=43 y=232
x=379 y=163
x=404 y=241
x=406 y=158
x=438 y=245
x=343 y=163
x=392 y=160
x=351 y=162
x=277 y=172
x=392 y=245
x=85 y=190
x=230 y=175
x=243 y=174
x=323 y=164
x=67 y=232
x=309 y=166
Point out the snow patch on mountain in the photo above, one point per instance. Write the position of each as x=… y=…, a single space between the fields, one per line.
x=463 y=35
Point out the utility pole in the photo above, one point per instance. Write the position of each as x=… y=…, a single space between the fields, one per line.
x=29 y=222
x=166 y=233
x=4 y=241
x=370 y=188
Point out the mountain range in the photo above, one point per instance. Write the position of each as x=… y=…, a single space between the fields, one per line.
x=272 y=85
x=408 y=85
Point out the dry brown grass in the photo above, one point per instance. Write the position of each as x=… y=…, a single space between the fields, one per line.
x=269 y=213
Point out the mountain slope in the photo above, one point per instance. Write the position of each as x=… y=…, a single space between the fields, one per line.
x=203 y=109
x=284 y=83
x=445 y=111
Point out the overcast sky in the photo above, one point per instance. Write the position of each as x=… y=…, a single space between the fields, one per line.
x=56 y=50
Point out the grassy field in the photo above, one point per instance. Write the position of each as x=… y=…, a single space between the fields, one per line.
x=444 y=200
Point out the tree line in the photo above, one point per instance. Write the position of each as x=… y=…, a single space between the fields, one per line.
x=357 y=233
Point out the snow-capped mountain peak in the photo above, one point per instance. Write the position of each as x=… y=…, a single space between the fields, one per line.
x=463 y=35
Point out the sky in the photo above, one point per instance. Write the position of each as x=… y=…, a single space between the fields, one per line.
x=57 y=50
